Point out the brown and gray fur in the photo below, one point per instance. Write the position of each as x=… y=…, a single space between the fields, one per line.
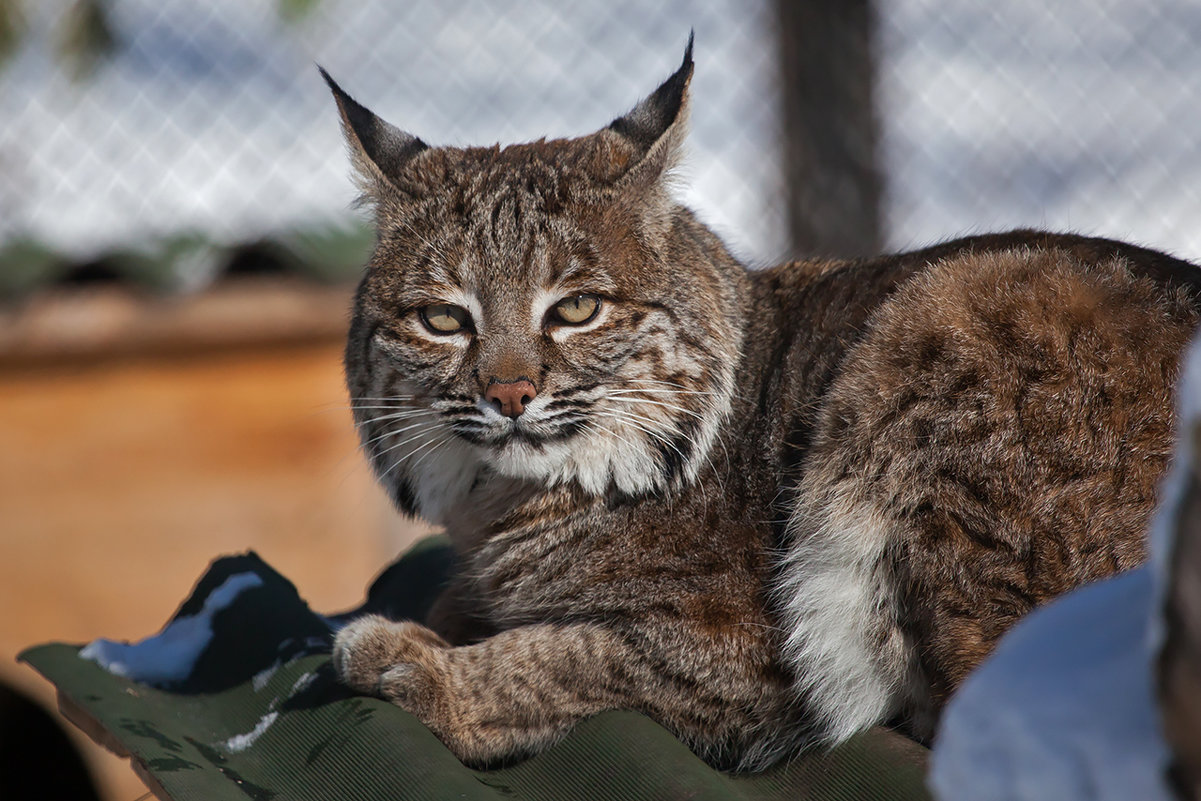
x=767 y=508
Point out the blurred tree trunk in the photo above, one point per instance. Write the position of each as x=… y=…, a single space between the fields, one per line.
x=830 y=129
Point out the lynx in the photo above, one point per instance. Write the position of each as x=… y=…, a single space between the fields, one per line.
x=767 y=508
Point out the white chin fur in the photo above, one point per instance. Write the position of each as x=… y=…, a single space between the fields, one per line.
x=443 y=481
x=596 y=461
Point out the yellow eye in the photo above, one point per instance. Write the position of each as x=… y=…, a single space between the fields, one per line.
x=576 y=310
x=443 y=318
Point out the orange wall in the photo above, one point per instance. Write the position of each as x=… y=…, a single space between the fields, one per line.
x=121 y=480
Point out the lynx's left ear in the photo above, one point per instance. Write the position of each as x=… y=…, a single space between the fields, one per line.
x=656 y=127
x=378 y=149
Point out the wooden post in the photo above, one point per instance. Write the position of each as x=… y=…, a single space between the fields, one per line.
x=830 y=130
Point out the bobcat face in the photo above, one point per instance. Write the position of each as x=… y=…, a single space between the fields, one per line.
x=523 y=316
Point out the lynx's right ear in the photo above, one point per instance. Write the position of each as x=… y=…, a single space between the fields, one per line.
x=378 y=150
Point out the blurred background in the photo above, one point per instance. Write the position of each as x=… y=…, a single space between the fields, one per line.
x=177 y=247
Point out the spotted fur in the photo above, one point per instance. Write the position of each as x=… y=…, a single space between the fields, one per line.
x=768 y=508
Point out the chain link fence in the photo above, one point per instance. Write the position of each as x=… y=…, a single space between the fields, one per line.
x=1070 y=116
x=209 y=121
x=181 y=129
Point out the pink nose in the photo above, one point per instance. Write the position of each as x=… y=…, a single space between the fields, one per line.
x=510 y=397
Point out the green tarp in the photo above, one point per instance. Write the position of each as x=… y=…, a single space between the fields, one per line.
x=262 y=718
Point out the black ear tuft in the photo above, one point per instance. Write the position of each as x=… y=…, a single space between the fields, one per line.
x=380 y=150
x=651 y=118
x=653 y=132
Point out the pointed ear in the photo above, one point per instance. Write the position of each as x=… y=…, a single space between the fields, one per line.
x=378 y=150
x=657 y=126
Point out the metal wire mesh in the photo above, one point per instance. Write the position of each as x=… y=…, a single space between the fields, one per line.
x=1071 y=116
x=129 y=121
x=211 y=116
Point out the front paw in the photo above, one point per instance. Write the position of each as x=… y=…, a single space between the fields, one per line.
x=399 y=662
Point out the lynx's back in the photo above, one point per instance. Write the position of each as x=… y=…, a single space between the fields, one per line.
x=994 y=437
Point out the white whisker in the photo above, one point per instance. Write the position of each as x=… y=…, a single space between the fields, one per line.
x=396 y=407
x=392 y=432
x=654 y=434
x=407 y=440
x=674 y=384
x=411 y=453
x=445 y=439
x=660 y=403
x=384 y=418
x=405 y=415
x=659 y=391
x=594 y=426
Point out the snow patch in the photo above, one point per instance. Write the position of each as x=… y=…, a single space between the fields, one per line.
x=170 y=655
x=260 y=679
x=303 y=683
x=240 y=742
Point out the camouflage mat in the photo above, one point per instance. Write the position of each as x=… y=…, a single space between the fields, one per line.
x=258 y=715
